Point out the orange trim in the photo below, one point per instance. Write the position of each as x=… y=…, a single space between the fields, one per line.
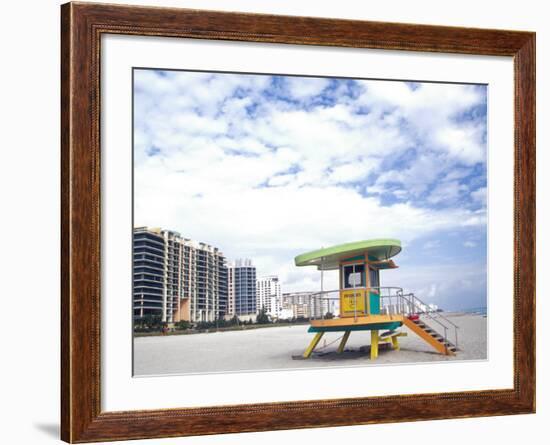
x=348 y=263
x=361 y=320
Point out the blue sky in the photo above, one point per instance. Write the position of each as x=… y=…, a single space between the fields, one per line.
x=268 y=167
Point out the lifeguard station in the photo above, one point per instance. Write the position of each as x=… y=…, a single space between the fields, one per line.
x=364 y=305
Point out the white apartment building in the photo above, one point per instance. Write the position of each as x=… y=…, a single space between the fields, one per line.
x=268 y=295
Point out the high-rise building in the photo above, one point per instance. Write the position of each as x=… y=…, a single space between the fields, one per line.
x=177 y=278
x=242 y=289
x=268 y=295
x=149 y=273
x=223 y=283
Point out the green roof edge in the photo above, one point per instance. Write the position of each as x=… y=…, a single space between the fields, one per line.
x=305 y=258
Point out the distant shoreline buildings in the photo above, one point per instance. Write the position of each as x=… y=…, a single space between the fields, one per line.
x=303 y=305
x=179 y=279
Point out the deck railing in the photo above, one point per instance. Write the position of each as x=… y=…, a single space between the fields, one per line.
x=393 y=301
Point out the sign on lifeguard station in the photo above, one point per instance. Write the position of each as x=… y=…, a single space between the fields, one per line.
x=364 y=304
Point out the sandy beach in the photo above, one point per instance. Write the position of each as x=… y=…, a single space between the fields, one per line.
x=273 y=348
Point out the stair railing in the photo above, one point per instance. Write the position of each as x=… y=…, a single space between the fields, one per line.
x=420 y=307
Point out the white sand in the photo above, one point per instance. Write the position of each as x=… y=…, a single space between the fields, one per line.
x=274 y=347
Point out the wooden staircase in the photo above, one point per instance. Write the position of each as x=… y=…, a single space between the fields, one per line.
x=430 y=336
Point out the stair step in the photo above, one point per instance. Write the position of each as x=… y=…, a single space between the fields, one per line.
x=435 y=335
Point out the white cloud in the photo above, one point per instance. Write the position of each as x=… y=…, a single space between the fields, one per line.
x=447 y=192
x=263 y=178
x=430 y=111
x=480 y=196
x=432 y=244
x=416 y=178
x=306 y=87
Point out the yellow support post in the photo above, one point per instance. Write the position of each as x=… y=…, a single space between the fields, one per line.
x=395 y=342
x=343 y=342
x=313 y=343
x=374 y=344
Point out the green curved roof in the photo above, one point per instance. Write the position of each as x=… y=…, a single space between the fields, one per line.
x=330 y=257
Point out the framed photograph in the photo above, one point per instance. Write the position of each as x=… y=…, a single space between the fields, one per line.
x=274 y=222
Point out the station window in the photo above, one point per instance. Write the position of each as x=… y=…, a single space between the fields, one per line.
x=374 y=276
x=354 y=276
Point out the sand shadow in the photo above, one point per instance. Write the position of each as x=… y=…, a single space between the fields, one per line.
x=362 y=353
x=354 y=354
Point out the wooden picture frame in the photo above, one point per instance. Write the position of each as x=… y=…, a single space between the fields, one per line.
x=82 y=26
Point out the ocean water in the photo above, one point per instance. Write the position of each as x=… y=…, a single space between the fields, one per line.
x=477 y=310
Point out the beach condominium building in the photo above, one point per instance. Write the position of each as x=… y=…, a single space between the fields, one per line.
x=268 y=295
x=177 y=278
x=242 y=289
x=223 y=287
x=149 y=273
x=210 y=298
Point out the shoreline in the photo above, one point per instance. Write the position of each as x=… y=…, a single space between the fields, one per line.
x=242 y=327
x=245 y=327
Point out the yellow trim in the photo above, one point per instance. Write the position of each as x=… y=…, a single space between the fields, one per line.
x=395 y=342
x=343 y=342
x=313 y=343
x=393 y=339
x=374 y=344
x=394 y=334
